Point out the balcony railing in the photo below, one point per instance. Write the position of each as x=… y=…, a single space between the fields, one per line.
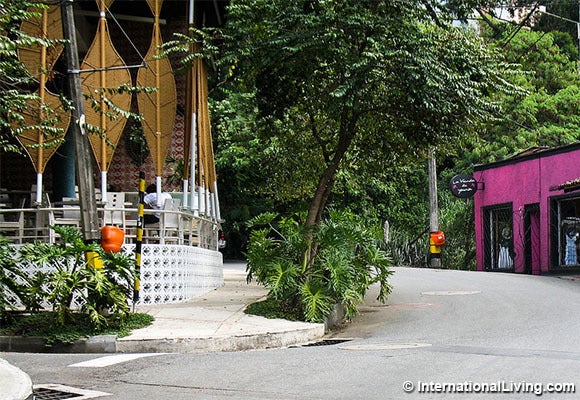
x=175 y=226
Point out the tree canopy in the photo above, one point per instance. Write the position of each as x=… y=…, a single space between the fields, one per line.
x=348 y=81
x=546 y=114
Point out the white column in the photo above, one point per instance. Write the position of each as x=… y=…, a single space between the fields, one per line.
x=38 y=188
x=104 y=185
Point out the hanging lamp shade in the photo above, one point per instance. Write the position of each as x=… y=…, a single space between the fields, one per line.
x=159 y=107
x=100 y=84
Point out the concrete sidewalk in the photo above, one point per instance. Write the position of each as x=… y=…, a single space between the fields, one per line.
x=213 y=322
x=216 y=322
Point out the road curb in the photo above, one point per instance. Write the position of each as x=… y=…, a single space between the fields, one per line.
x=112 y=344
x=268 y=340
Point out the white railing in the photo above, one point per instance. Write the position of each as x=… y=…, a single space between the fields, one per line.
x=181 y=227
x=179 y=255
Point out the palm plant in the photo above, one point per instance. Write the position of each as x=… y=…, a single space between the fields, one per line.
x=346 y=262
x=74 y=277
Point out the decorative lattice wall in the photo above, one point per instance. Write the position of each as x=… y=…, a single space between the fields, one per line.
x=169 y=273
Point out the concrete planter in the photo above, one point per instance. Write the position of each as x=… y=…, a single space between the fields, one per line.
x=335 y=318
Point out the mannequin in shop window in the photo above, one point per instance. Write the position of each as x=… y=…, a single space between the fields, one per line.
x=571 y=257
x=505 y=260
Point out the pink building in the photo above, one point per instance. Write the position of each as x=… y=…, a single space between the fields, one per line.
x=527 y=212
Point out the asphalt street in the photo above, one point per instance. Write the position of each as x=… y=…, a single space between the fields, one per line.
x=482 y=335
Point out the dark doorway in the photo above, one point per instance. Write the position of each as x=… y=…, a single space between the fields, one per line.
x=532 y=239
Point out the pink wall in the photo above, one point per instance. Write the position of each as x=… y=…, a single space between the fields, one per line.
x=524 y=180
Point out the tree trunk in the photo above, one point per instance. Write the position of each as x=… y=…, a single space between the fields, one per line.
x=326 y=181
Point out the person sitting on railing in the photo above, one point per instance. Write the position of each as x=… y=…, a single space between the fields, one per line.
x=151 y=201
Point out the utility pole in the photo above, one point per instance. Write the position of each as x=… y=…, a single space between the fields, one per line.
x=84 y=165
x=434 y=250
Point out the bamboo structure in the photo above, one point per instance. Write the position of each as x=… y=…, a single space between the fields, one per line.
x=100 y=83
x=39 y=62
x=206 y=174
x=160 y=107
x=102 y=72
x=198 y=140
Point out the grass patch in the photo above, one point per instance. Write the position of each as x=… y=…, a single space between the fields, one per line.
x=45 y=325
x=271 y=308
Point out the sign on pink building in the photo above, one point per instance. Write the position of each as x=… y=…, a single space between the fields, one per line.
x=527 y=212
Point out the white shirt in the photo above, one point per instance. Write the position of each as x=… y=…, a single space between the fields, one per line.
x=150 y=199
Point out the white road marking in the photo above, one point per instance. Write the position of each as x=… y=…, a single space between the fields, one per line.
x=112 y=360
x=386 y=346
x=451 y=293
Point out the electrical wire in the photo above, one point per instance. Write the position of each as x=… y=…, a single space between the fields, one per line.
x=108 y=11
x=143 y=62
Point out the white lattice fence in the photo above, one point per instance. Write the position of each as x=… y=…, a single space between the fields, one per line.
x=173 y=273
x=169 y=273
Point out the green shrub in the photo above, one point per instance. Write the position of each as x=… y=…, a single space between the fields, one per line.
x=9 y=274
x=46 y=325
x=407 y=251
x=102 y=291
x=345 y=262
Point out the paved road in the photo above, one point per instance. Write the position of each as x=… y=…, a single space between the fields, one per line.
x=480 y=331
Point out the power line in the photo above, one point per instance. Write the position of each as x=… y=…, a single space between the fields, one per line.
x=558 y=16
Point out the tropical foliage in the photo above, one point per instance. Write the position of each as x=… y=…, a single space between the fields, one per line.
x=9 y=279
x=335 y=103
x=546 y=114
x=339 y=80
x=75 y=274
x=318 y=103
x=348 y=260
x=102 y=289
